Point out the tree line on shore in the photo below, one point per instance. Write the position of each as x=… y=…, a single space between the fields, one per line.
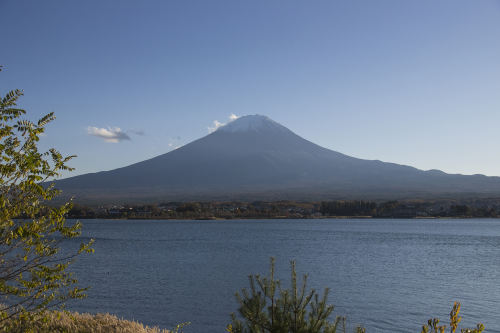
x=293 y=209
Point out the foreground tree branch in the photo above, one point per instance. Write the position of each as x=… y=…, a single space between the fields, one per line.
x=33 y=269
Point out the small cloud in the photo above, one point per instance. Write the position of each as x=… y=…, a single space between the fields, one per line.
x=218 y=124
x=110 y=134
x=136 y=132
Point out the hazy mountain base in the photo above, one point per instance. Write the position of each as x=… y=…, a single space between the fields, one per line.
x=151 y=195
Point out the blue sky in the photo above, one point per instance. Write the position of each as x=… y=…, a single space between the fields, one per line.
x=410 y=82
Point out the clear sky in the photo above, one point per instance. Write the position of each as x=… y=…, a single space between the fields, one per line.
x=410 y=82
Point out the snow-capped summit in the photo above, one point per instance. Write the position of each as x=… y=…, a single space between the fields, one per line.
x=257 y=123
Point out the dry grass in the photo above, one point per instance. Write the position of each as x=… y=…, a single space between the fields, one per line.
x=56 y=321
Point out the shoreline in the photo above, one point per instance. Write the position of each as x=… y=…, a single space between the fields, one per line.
x=286 y=218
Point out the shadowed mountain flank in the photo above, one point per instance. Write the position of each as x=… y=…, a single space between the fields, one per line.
x=254 y=158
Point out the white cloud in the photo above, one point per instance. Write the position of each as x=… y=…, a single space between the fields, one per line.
x=218 y=124
x=110 y=134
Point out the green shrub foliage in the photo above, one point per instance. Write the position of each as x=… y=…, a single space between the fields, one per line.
x=267 y=307
x=33 y=275
x=433 y=325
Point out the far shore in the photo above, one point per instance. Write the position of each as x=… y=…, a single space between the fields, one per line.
x=289 y=209
x=286 y=218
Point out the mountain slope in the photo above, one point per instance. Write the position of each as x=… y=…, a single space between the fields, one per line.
x=254 y=157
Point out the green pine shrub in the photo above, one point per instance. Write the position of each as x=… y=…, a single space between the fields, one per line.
x=268 y=307
x=434 y=327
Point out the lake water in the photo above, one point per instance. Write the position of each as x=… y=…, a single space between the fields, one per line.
x=383 y=274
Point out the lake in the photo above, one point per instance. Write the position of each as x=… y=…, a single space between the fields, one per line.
x=386 y=274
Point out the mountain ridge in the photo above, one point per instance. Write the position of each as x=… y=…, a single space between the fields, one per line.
x=255 y=157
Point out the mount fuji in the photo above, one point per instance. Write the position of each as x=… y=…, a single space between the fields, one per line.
x=256 y=158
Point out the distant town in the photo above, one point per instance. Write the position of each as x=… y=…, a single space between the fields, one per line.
x=480 y=208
